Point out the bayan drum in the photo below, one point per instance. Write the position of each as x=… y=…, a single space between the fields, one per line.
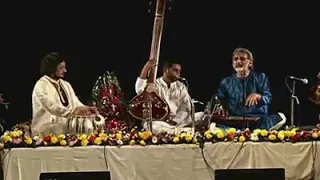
x=82 y=124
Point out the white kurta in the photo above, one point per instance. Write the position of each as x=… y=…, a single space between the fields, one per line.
x=49 y=115
x=178 y=99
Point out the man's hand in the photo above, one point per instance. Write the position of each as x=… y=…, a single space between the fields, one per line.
x=253 y=99
x=85 y=110
x=150 y=64
x=222 y=112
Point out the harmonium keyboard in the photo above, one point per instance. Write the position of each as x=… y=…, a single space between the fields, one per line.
x=234 y=119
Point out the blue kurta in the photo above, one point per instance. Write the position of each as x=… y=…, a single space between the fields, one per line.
x=234 y=91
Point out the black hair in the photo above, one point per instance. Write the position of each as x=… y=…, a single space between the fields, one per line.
x=50 y=62
x=168 y=64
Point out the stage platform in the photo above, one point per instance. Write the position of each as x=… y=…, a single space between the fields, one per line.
x=172 y=162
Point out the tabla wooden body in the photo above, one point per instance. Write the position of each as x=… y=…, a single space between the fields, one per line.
x=79 y=124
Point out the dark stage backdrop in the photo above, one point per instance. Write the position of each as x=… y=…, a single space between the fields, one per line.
x=116 y=36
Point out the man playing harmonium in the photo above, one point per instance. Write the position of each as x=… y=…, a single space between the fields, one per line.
x=247 y=93
x=53 y=99
x=173 y=92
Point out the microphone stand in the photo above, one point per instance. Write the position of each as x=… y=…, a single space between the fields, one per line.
x=149 y=119
x=293 y=98
x=193 y=118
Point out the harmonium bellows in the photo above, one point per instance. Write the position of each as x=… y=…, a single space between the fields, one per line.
x=234 y=119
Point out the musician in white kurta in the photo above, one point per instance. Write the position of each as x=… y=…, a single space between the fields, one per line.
x=53 y=99
x=174 y=92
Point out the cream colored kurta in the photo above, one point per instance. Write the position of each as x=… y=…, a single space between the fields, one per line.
x=178 y=99
x=49 y=115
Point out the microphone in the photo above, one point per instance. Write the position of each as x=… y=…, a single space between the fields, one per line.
x=182 y=79
x=304 y=80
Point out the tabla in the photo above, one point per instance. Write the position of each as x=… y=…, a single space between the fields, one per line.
x=79 y=124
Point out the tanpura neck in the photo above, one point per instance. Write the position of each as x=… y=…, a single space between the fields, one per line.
x=243 y=74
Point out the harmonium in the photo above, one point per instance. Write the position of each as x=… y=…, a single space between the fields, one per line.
x=235 y=120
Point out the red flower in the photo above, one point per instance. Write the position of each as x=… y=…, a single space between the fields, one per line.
x=115 y=100
x=305 y=134
x=246 y=133
x=47 y=138
x=296 y=137
x=231 y=135
x=92 y=137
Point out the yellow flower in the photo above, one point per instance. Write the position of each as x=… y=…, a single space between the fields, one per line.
x=182 y=135
x=188 y=137
x=208 y=135
x=119 y=136
x=149 y=132
x=220 y=134
x=231 y=131
x=84 y=142
x=142 y=142
x=272 y=137
x=61 y=137
x=242 y=138
x=286 y=133
x=7 y=139
x=19 y=132
x=103 y=136
x=14 y=134
x=264 y=133
x=97 y=141
x=83 y=137
x=144 y=135
x=207 y=132
x=315 y=135
x=281 y=135
x=132 y=142
x=63 y=142
x=176 y=139
x=54 y=139
x=1 y=146
x=28 y=140
x=257 y=131
x=293 y=132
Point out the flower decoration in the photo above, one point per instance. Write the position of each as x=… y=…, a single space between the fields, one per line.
x=19 y=137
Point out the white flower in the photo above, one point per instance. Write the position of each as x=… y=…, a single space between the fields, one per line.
x=126 y=137
x=154 y=140
x=35 y=138
x=254 y=137
x=119 y=142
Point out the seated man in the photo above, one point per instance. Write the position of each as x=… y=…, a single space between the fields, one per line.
x=174 y=92
x=247 y=93
x=53 y=99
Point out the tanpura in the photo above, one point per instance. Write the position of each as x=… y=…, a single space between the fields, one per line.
x=314 y=95
x=148 y=105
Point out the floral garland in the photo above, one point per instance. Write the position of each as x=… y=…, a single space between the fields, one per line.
x=108 y=97
x=19 y=138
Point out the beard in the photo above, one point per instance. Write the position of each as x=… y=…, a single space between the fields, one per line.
x=173 y=78
x=239 y=69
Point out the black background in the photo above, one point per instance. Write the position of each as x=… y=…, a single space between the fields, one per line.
x=116 y=36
